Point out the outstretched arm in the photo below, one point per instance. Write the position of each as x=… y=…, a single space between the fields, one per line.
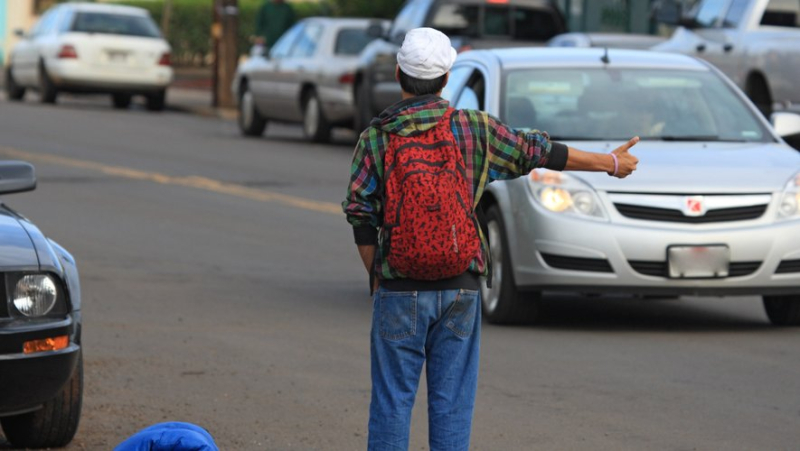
x=621 y=166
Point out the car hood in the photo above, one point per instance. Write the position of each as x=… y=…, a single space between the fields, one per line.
x=16 y=247
x=699 y=168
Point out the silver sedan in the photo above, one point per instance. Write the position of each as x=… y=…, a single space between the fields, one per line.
x=712 y=210
x=307 y=77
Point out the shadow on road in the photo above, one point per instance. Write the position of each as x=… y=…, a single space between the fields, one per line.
x=631 y=314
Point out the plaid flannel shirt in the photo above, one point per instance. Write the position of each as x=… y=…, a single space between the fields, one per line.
x=491 y=151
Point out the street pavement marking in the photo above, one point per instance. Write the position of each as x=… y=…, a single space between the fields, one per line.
x=196 y=182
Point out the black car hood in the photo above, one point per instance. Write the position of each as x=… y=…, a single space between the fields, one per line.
x=16 y=248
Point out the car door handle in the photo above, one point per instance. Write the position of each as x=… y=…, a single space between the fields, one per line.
x=701 y=48
x=727 y=47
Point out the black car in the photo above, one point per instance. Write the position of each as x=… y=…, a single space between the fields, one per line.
x=469 y=24
x=41 y=368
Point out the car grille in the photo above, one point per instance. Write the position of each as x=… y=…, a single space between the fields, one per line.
x=670 y=215
x=788 y=266
x=661 y=269
x=577 y=263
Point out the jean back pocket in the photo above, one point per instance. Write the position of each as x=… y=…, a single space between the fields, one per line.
x=398 y=314
x=461 y=317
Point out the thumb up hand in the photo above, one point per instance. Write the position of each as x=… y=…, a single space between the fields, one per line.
x=625 y=163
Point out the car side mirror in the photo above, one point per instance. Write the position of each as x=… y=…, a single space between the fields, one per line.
x=785 y=123
x=16 y=177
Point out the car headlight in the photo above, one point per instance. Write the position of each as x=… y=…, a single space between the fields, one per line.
x=562 y=193
x=789 y=207
x=33 y=295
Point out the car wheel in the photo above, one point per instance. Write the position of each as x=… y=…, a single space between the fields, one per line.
x=47 y=90
x=121 y=101
x=156 y=101
x=783 y=310
x=315 y=126
x=251 y=122
x=363 y=114
x=758 y=92
x=55 y=424
x=13 y=90
x=502 y=303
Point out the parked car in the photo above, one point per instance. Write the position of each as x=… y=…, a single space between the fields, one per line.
x=712 y=210
x=307 y=77
x=92 y=48
x=41 y=368
x=609 y=40
x=470 y=24
x=754 y=42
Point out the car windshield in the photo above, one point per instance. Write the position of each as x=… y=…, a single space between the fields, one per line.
x=121 y=24
x=615 y=104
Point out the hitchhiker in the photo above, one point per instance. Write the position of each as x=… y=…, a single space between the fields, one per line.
x=417 y=175
x=274 y=17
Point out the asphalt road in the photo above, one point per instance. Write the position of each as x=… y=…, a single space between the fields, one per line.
x=221 y=287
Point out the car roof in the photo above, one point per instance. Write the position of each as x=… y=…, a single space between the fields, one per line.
x=517 y=58
x=106 y=8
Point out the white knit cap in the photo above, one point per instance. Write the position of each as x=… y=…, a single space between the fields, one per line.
x=426 y=54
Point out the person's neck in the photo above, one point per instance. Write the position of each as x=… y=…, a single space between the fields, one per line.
x=408 y=95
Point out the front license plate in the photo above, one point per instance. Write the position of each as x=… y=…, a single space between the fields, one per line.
x=698 y=262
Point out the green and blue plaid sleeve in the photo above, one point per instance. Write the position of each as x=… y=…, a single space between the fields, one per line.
x=512 y=153
x=363 y=204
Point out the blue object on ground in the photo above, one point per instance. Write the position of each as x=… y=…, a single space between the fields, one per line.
x=171 y=436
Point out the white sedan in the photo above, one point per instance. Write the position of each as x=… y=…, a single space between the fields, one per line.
x=92 y=48
x=714 y=208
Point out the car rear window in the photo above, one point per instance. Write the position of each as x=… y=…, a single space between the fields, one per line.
x=119 y=24
x=350 y=41
x=496 y=21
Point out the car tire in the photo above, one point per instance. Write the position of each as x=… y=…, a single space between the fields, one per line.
x=47 y=89
x=783 y=311
x=55 y=424
x=13 y=90
x=758 y=91
x=315 y=126
x=363 y=113
x=156 y=101
x=251 y=122
x=121 y=101
x=503 y=303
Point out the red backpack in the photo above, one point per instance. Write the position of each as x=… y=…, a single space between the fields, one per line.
x=430 y=225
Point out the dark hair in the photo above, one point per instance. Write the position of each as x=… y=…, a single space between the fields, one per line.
x=420 y=87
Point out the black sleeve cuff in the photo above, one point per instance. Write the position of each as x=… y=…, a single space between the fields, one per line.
x=365 y=235
x=559 y=153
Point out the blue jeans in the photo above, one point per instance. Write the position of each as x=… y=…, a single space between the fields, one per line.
x=408 y=329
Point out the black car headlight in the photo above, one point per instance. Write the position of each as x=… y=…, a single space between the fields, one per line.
x=34 y=295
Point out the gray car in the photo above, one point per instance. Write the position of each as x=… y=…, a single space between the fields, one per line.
x=712 y=210
x=307 y=77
